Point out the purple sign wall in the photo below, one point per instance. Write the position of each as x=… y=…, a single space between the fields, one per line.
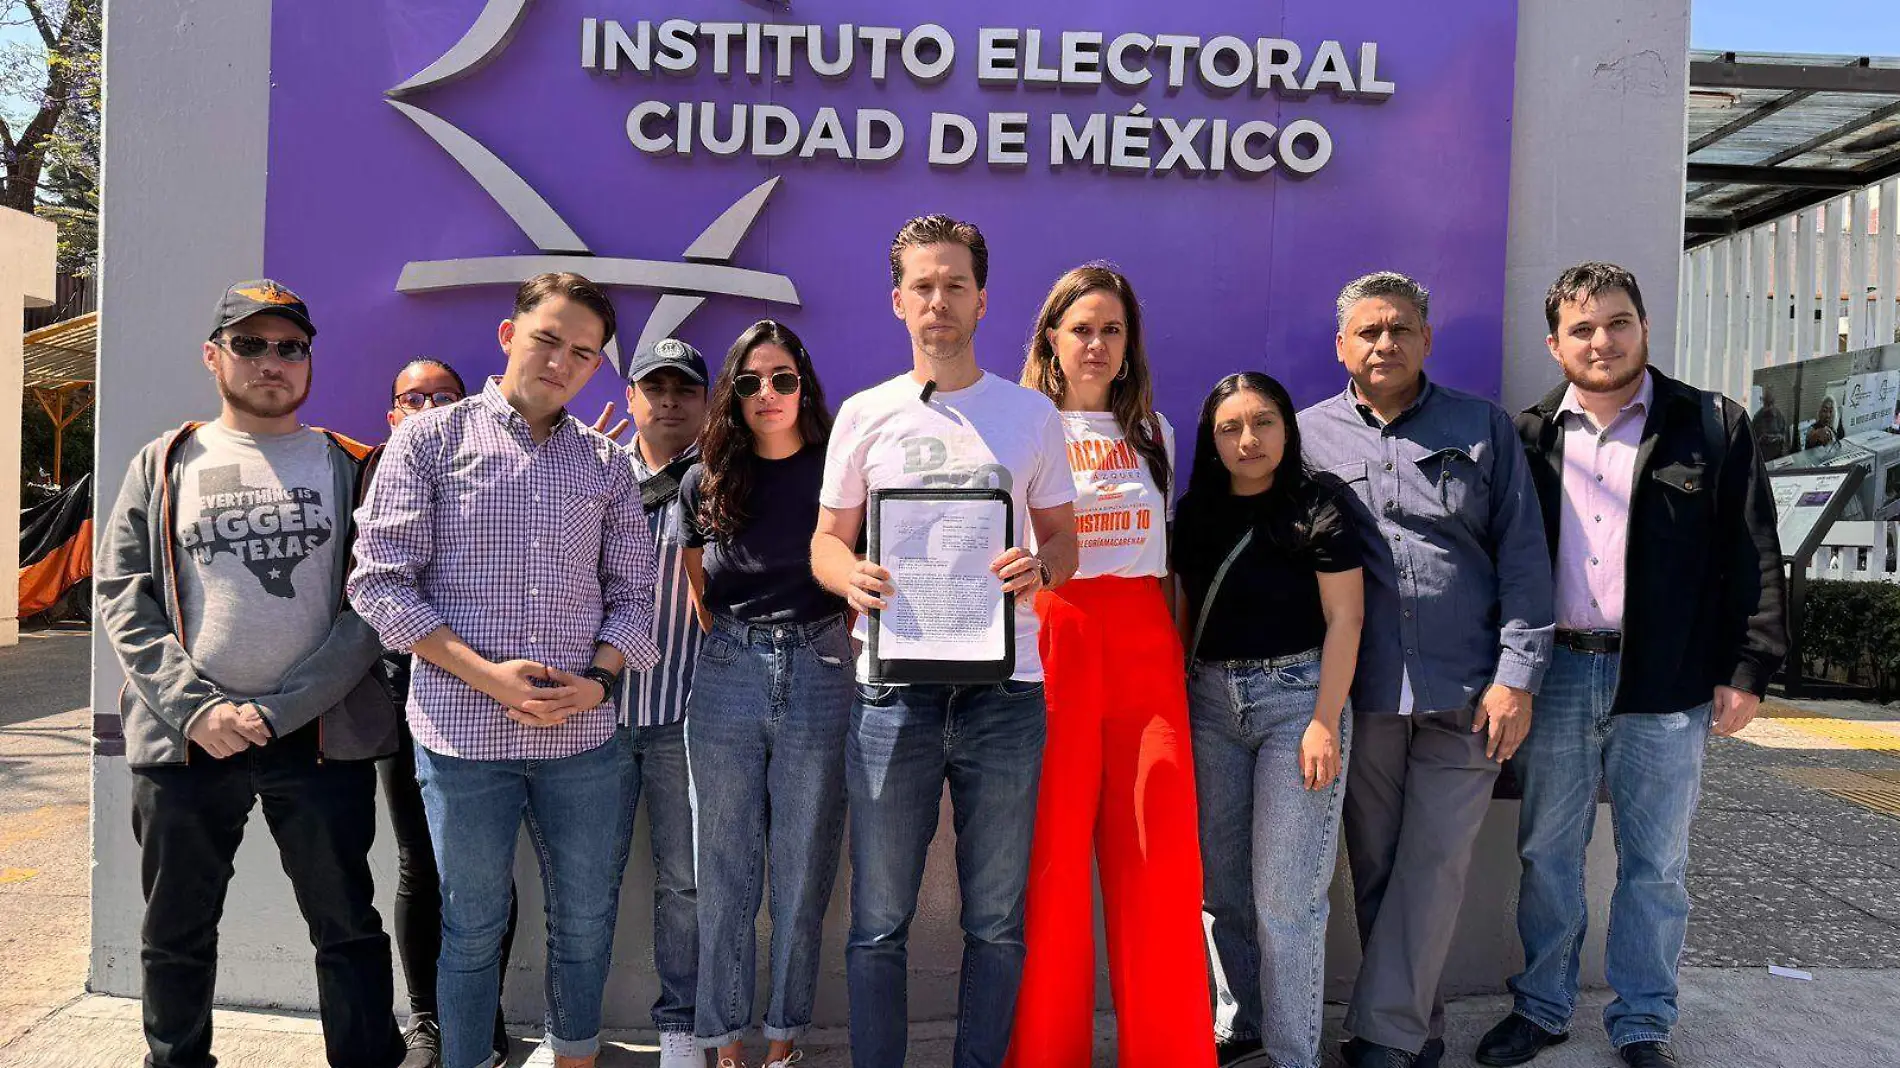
x=1239 y=161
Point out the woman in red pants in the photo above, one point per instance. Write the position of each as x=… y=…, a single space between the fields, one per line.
x=1118 y=768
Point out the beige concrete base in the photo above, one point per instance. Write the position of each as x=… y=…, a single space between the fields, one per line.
x=27 y=259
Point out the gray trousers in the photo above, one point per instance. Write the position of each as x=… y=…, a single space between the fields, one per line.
x=1416 y=794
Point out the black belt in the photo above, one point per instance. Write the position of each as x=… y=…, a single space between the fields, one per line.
x=1590 y=641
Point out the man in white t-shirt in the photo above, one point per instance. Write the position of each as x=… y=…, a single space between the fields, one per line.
x=946 y=423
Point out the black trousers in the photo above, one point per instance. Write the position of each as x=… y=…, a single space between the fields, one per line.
x=419 y=888
x=189 y=819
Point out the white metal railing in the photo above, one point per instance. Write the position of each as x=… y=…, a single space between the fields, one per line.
x=1825 y=279
x=1860 y=551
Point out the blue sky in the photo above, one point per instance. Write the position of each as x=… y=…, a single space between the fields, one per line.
x=1857 y=27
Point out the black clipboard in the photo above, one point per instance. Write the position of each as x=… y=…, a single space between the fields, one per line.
x=952 y=672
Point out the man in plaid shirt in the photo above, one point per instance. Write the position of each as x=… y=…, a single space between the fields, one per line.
x=503 y=544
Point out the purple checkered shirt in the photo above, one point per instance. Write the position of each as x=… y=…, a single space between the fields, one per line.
x=538 y=552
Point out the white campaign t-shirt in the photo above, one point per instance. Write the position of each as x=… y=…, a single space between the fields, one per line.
x=1121 y=518
x=991 y=435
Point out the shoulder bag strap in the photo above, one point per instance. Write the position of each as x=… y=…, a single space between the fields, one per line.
x=1213 y=590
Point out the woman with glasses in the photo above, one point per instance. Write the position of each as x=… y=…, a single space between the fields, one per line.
x=1117 y=789
x=1273 y=599
x=423 y=383
x=771 y=692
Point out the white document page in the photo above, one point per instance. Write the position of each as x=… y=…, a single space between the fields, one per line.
x=948 y=606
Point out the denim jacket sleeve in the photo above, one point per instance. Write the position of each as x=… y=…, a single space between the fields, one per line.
x=1526 y=596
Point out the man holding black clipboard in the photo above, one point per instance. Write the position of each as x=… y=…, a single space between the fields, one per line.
x=946 y=424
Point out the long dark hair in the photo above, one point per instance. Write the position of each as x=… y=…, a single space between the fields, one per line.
x=726 y=446
x=1288 y=503
x=1131 y=399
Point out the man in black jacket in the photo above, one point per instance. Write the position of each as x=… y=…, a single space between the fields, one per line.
x=1670 y=622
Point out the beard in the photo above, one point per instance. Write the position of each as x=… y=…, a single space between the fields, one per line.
x=947 y=345
x=1593 y=380
x=258 y=409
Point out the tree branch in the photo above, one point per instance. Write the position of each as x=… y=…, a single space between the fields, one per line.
x=40 y=22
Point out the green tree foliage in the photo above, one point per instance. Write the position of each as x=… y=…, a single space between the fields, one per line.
x=49 y=121
x=1851 y=633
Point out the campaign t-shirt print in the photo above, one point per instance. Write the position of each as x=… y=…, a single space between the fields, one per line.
x=270 y=530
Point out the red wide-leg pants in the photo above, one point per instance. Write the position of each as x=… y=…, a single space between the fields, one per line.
x=1117 y=789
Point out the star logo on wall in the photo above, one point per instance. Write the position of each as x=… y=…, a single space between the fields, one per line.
x=703 y=271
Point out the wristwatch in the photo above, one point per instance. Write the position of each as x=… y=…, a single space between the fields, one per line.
x=1042 y=569
x=609 y=681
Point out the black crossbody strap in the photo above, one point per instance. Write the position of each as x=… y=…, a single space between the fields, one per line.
x=1213 y=590
x=658 y=489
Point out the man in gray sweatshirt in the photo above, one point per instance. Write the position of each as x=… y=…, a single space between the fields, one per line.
x=220 y=581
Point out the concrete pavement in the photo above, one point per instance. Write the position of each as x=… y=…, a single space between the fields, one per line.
x=45 y=862
x=1732 y=1018
x=1796 y=861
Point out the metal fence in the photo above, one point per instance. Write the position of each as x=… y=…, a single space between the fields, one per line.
x=1822 y=280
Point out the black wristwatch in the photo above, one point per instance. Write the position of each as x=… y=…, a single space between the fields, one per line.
x=1042 y=570
x=609 y=681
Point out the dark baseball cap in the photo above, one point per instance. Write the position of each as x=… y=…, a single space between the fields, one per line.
x=670 y=352
x=261 y=297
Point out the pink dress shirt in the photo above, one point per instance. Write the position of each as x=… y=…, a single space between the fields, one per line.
x=1599 y=468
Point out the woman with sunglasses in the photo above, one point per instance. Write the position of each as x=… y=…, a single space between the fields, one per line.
x=1272 y=603
x=1117 y=789
x=771 y=692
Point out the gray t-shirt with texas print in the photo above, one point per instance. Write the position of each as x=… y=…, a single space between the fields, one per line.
x=256 y=568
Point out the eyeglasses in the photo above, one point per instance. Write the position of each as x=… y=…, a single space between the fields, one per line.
x=784 y=383
x=414 y=401
x=246 y=347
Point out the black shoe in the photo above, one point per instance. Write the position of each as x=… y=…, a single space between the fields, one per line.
x=1363 y=1054
x=423 y=1040
x=1515 y=1040
x=1428 y=1057
x=1232 y=1051
x=1648 y=1055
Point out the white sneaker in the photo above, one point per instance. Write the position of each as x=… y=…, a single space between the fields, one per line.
x=679 y=1050
x=542 y=1057
x=797 y=1055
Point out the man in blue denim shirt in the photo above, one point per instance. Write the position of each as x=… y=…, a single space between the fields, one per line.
x=1457 y=635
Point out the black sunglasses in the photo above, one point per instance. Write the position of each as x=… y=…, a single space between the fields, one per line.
x=414 y=401
x=246 y=347
x=784 y=383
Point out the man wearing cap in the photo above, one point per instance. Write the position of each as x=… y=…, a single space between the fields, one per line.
x=666 y=398
x=220 y=578
x=503 y=543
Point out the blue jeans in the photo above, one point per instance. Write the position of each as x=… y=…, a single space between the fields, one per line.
x=1652 y=765
x=1268 y=849
x=580 y=818
x=766 y=726
x=904 y=742
x=660 y=772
